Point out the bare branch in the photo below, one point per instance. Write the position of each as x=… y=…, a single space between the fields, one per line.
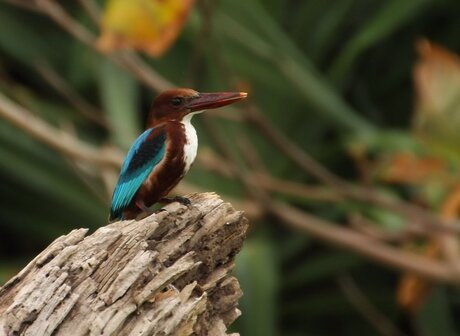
x=58 y=139
x=371 y=248
x=92 y=9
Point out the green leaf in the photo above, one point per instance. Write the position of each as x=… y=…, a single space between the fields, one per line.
x=29 y=162
x=435 y=317
x=387 y=20
x=324 y=266
x=256 y=269
x=297 y=70
x=120 y=96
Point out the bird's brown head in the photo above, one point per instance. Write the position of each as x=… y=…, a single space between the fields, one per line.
x=175 y=104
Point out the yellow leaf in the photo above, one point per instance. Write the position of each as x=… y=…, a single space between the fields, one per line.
x=147 y=25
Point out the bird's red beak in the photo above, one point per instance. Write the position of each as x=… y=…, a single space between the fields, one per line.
x=206 y=101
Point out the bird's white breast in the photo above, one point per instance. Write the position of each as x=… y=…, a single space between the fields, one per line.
x=191 y=142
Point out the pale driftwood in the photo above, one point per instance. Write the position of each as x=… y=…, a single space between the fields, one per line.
x=168 y=274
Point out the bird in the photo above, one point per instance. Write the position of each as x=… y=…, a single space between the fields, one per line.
x=161 y=156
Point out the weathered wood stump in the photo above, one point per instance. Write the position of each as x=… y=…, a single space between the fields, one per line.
x=167 y=274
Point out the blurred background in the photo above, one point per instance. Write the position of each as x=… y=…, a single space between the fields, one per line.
x=345 y=157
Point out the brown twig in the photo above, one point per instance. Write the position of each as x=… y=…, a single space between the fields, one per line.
x=294 y=189
x=373 y=230
x=413 y=213
x=92 y=9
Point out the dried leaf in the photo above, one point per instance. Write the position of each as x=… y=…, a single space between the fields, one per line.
x=437 y=86
x=413 y=290
x=407 y=168
x=147 y=25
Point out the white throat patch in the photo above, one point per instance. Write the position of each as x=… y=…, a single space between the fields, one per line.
x=191 y=141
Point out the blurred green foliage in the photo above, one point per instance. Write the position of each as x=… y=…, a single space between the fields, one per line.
x=321 y=71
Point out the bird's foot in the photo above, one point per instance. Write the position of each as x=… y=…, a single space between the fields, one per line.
x=181 y=199
x=144 y=208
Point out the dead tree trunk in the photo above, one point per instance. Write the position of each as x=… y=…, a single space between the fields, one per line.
x=168 y=274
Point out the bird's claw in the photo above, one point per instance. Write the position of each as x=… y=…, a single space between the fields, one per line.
x=180 y=199
x=183 y=200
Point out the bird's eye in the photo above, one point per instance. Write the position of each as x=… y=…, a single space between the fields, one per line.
x=177 y=101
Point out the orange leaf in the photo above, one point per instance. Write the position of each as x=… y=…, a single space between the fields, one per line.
x=409 y=169
x=147 y=25
x=451 y=206
x=413 y=290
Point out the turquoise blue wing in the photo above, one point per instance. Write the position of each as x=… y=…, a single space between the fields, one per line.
x=147 y=151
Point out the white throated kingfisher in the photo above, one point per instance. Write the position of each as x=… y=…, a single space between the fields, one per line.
x=162 y=155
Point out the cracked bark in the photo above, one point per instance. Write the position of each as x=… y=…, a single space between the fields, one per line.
x=167 y=274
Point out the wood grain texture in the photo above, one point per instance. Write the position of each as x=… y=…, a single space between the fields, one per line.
x=167 y=274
